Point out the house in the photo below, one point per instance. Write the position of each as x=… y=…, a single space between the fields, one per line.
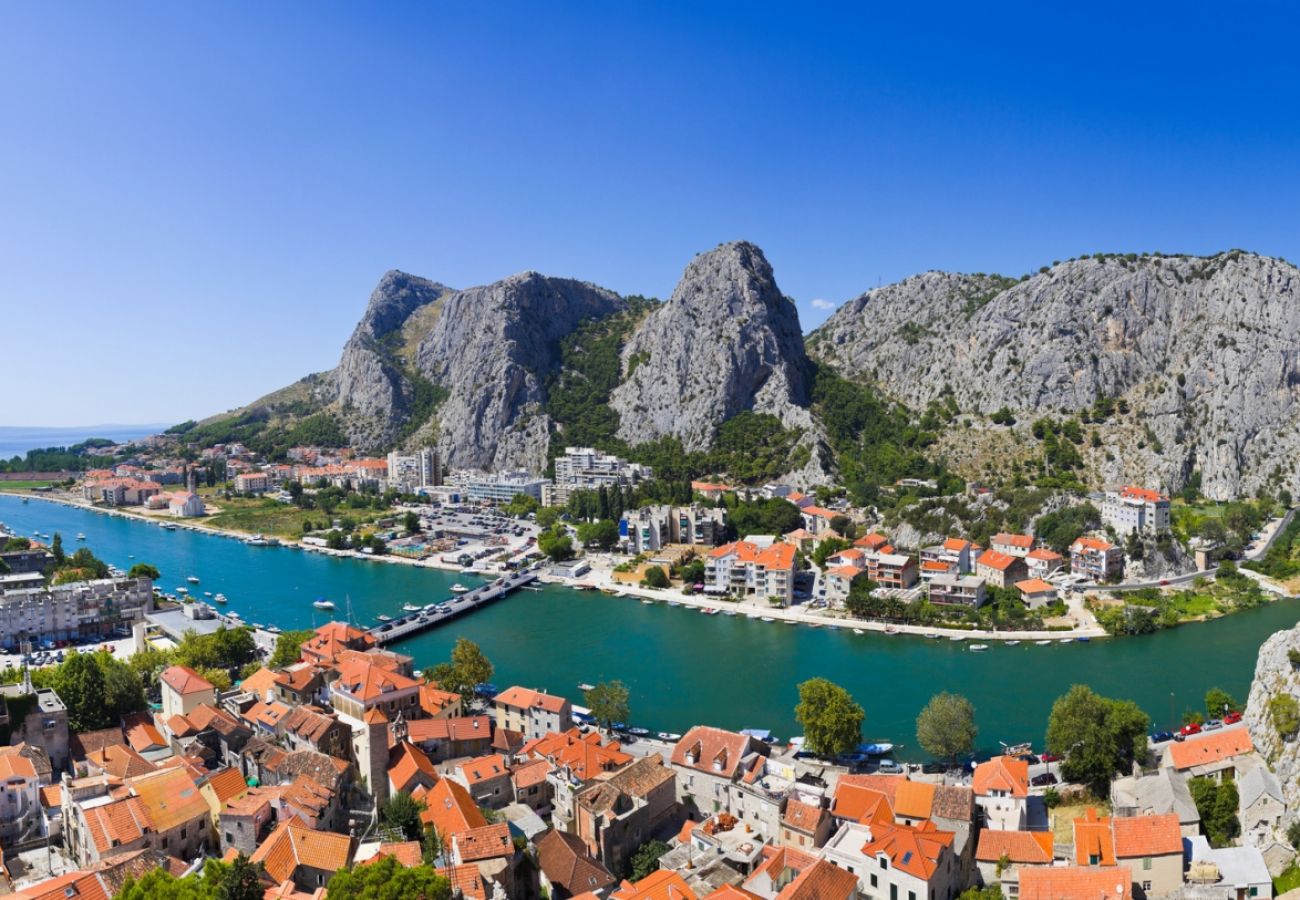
x=1149 y=847
x=1043 y=562
x=252 y=483
x=804 y=826
x=663 y=884
x=1261 y=806
x=302 y=855
x=409 y=769
x=839 y=579
x=891 y=570
x=1001 y=787
x=744 y=569
x=308 y=728
x=449 y=809
x=1036 y=593
x=1000 y=855
x=958 y=590
x=710 y=763
x=245 y=820
x=817 y=519
x=21 y=818
x=487 y=779
x=531 y=786
x=617 y=813
x=1211 y=754
x=363 y=685
x=1000 y=569
x=183 y=690
x=1075 y=883
x=955 y=556
x=901 y=862
x=332 y=639
x=1134 y=508
x=1228 y=873
x=566 y=868
x=162 y=811
x=1157 y=794
x=1095 y=559
x=1012 y=544
x=794 y=875
x=575 y=759
x=532 y=713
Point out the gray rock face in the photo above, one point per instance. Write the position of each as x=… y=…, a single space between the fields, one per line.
x=1204 y=350
x=370 y=389
x=727 y=340
x=1274 y=675
x=491 y=350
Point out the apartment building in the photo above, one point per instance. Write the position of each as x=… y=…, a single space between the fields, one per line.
x=1134 y=508
x=81 y=609
x=585 y=469
x=1095 y=559
x=958 y=590
x=409 y=472
x=501 y=487
x=744 y=569
x=649 y=528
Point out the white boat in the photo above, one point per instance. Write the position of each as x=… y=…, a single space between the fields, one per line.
x=651 y=602
x=957 y=637
x=234 y=615
x=469 y=571
x=193 y=579
x=1012 y=643
x=459 y=588
x=207 y=593
x=220 y=598
x=411 y=607
x=257 y=540
x=858 y=631
x=584 y=687
x=181 y=590
x=978 y=647
x=274 y=629
x=1042 y=643
x=80 y=536
x=168 y=526
x=765 y=619
x=323 y=604
x=384 y=618
x=668 y=736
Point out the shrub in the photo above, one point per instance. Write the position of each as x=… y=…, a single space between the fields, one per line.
x=1285 y=713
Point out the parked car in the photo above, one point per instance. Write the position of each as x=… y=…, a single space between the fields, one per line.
x=1045 y=780
x=1232 y=718
x=1161 y=737
x=1213 y=725
x=1190 y=728
x=889 y=767
x=1049 y=758
x=1164 y=582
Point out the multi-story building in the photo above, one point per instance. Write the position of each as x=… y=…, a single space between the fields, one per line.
x=1012 y=544
x=891 y=570
x=363 y=685
x=1135 y=509
x=649 y=528
x=1095 y=559
x=743 y=569
x=839 y=581
x=958 y=590
x=617 y=814
x=1150 y=847
x=1000 y=569
x=585 y=469
x=162 y=811
x=1043 y=562
x=252 y=483
x=80 y=609
x=955 y=556
x=897 y=862
x=723 y=771
x=1001 y=787
x=532 y=713
x=184 y=690
x=411 y=471
x=501 y=487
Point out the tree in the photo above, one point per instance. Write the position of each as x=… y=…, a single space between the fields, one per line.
x=288 y=648
x=521 y=505
x=860 y=603
x=654 y=577
x=411 y=522
x=646 y=859
x=1096 y=736
x=831 y=719
x=992 y=892
x=946 y=727
x=844 y=525
x=1219 y=702
x=387 y=878
x=603 y=533
x=547 y=516
x=555 y=544
x=56 y=548
x=239 y=879
x=1217 y=805
x=402 y=814
x=79 y=682
x=468 y=668
x=608 y=702
x=123 y=689
x=144 y=570
x=828 y=548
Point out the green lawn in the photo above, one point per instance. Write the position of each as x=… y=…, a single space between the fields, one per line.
x=1190 y=604
x=273 y=517
x=23 y=486
x=1287 y=881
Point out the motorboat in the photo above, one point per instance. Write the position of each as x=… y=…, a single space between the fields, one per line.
x=1012 y=643
x=584 y=687
x=207 y=593
x=468 y=571
x=648 y=602
x=193 y=579
x=459 y=588
x=976 y=648
x=81 y=536
x=668 y=736
x=956 y=638
x=383 y=618
x=876 y=748
x=182 y=590
x=766 y=619
x=322 y=603
x=639 y=732
x=858 y=631
x=220 y=598
x=1042 y=643
x=411 y=607
x=235 y=615
x=274 y=629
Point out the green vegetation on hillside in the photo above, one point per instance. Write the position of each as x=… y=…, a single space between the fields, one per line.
x=57 y=459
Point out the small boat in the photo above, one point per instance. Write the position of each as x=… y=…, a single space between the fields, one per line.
x=130 y=556
x=648 y=602
x=235 y=615
x=530 y=587
x=814 y=624
x=791 y=622
x=258 y=626
x=274 y=629
x=468 y=571
x=1083 y=639
x=181 y=590
x=1012 y=643
x=934 y=635
x=1042 y=643
x=858 y=631
x=639 y=732
x=976 y=648
x=383 y=618
x=168 y=526
x=957 y=637
x=668 y=736
x=876 y=748
x=193 y=579
x=220 y=598
x=411 y=607
x=890 y=629
x=674 y=604
x=731 y=612
x=81 y=536
x=207 y=593
x=323 y=604
x=765 y=619
x=584 y=687
x=459 y=588
x=1066 y=641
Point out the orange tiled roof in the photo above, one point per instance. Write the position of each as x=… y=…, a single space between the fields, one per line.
x=116 y=824
x=260 y=682
x=408 y=853
x=872 y=541
x=803 y=816
x=367 y=681
x=293 y=844
x=710 y=748
x=861 y=804
x=1034 y=586
x=1207 y=749
x=1021 y=847
x=466 y=879
x=822 y=880
x=1022 y=541
x=530 y=774
x=914 y=849
x=583 y=755
x=1088 y=543
x=1094 y=842
x=484 y=842
x=993 y=559
x=184 y=680
x=410 y=767
x=1045 y=554
x=228 y=784
x=526 y=698
x=171 y=797
x=142 y=734
x=81 y=884
x=914 y=799
x=1140 y=493
x=1002 y=773
x=664 y=884
x=1147 y=836
x=1075 y=883
x=450 y=809
x=12 y=765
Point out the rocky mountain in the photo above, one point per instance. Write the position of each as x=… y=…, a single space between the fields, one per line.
x=1202 y=352
x=1276 y=676
x=726 y=341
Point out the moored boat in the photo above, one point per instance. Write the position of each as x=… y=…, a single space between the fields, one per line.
x=193 y=579
x=668 y=736
x=459 y=588
x=220 y=598
x=411 y=607
x=584 y=687
x=978 y=647
x=322 y=603
x=858 y=631
x=383 y=618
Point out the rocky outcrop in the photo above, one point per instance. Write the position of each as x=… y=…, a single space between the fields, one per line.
x=1203 y=350
x=370 y=386
x=726 y=341
x=1276 y=675
x=491 y=351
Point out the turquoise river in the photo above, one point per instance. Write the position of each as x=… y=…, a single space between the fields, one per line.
x=682 y=667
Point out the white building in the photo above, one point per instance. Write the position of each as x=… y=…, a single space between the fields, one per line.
x=1135 y=509
x=897 y=862
x=410 y=472
x=501 y=487
x=185 y=505
x=743 y=569
x=584 y=469
x=80 y=609
x=1001 y=787
x=649 y=528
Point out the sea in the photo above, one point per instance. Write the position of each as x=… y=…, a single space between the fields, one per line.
x=16 y=440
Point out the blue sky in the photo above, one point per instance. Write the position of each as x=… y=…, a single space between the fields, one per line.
x=197 y=199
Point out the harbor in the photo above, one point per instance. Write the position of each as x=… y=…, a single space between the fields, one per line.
x=417 y=621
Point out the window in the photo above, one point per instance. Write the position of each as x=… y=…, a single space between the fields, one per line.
x=911 y=895
x=1146 y=885
x=893 y=892
x=1146 y=864
x=884 y=863
x=874 y=881
x=1093 y=859
x=1254 y=891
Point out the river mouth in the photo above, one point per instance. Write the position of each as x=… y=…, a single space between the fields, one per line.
x=684 y=668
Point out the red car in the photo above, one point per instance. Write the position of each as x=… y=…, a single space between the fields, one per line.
x=1190 y=728
x=1232 y=718
x=1048 y=758
x=1164 y=582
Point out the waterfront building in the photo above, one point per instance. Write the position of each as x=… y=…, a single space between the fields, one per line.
x=724 y=771
x=252 y=483
x=958 y=590
x=585 y=469
x=955 y=556
x=839 y=580
x=74 y=611
x=534 y=714
x=501 y=487
x=743 y=569
x=408 y=472
x=1095 y=559
x=1043 y=562
x=1133 y=508
x=1000 y=569
x=897 y=861
x=1036 y=593
x=651 y=528
x=1001 y=787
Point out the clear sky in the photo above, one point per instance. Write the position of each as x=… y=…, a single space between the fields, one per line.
x=196 y=199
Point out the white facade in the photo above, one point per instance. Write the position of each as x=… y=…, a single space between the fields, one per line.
x=410 y=472
x=1135 y=509
x=879 y=878
x=79 y=609
x=651 y=527
x=502 y=487
x=584 y=469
